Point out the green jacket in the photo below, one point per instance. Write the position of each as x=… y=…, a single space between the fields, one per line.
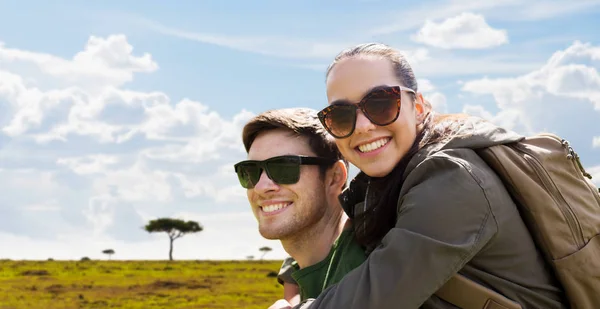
x=454 y=215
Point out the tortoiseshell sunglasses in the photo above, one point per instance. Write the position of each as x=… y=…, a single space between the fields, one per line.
x=381 y=106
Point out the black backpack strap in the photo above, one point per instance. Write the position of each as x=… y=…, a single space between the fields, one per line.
x=354 y=193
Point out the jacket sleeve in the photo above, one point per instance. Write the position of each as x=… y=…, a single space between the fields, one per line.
x=444 y=219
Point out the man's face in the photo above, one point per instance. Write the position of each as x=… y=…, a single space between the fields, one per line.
x=285 y=210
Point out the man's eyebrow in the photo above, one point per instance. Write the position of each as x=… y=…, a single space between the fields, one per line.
x=364 y=95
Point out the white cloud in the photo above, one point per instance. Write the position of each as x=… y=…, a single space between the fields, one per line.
x=100 y=213
x=508 y=118
x=198 y=125
x=194 y=186
x=30 y=104
x=596 y=142
x=104 y=61
x=135 y=183
x=425 y=85
x=438 y=102
x=85 y=110
x=567 y=86
x=436 y=98
x=88 y=82
x=465 y=31
x=43 y=181
x=477 y=111
x=412 y=17
x=415 y=56
x=50 y=205
x=104 y=158
x=91 y=164
x=595 y=172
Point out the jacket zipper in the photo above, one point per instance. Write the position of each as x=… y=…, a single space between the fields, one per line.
x=556 y=196
x=573 y=156
x=365 y=204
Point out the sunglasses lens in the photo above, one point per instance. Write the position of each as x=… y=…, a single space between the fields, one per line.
x=382 y=108
x=340 y=119
x=284 y=171
x=248 y=175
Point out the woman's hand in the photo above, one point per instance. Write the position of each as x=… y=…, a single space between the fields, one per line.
x=281 y=304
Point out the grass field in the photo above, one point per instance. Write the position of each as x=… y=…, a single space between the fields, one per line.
x=138 y=284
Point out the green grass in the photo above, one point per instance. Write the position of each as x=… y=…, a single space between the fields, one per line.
x=138 y=284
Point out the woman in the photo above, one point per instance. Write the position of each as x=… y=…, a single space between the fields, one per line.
x=431 y=207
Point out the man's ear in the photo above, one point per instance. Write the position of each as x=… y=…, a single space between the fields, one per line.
x=338 y=176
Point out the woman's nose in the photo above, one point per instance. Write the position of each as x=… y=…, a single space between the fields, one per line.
x=363 y=124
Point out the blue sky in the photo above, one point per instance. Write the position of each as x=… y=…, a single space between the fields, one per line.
x=113 y=113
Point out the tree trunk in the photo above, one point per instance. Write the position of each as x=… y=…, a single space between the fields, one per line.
x=171 y=250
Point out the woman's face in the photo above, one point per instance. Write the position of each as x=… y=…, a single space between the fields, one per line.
x=375 y=150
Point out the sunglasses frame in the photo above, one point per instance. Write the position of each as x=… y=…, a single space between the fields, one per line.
x=294 y=159
x=396 y=90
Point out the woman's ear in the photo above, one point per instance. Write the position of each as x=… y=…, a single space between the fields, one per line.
x=422 y=107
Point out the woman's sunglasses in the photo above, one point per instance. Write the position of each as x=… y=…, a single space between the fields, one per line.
x=381 y=106
x=283 y=170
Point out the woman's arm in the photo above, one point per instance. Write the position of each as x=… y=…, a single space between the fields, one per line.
x=291 y=293
x=444 y=219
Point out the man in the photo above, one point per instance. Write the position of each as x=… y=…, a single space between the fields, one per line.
x=294 y=176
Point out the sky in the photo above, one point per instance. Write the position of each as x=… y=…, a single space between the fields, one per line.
x=113 y=113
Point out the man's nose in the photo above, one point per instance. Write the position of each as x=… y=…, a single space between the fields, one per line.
x=265 y=184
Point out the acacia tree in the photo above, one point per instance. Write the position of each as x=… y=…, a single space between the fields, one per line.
x=265 y=250
x=175 y=228
x=109 y=252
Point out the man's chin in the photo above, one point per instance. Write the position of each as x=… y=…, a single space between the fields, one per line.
x=274 y=234
x=271 y=236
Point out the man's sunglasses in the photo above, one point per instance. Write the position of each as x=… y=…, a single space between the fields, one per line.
x=283 y=170
x=381 y=106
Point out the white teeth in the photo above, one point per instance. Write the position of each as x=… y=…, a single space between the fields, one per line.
x=373 y=145
x=274 y=207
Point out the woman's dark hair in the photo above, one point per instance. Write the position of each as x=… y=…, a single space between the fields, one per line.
x=380 y=215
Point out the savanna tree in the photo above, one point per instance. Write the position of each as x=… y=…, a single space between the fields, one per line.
x=109 y=252
x=264 y=250
x=175 y=228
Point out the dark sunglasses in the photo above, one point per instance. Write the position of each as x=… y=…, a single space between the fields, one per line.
x=283 y=170
x=381 y=106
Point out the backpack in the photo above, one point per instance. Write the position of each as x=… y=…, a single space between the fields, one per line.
x=561 y=208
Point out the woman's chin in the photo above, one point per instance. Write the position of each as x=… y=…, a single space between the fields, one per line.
x=376 y=169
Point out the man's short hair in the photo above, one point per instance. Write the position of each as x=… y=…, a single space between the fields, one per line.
x=300 y=122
